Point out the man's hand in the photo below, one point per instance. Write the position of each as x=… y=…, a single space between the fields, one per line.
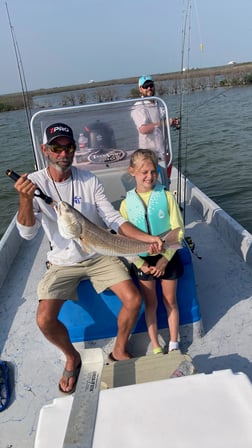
x=26 y=191
x=156 y=246
x=25 y=187
x=175 y=122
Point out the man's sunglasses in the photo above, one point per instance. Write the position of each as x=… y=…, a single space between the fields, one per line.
x=148 y=85
x=57 y=148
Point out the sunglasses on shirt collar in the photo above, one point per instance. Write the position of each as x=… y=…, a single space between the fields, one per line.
x=57 y=148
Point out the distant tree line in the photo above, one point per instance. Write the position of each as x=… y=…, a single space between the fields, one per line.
x=168 y=87
x=166 y=84
x=14 y=102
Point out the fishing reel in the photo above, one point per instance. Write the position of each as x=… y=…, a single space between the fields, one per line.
x=191 y=246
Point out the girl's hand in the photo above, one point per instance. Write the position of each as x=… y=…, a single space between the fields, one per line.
x=160 y=267
x=146 y=268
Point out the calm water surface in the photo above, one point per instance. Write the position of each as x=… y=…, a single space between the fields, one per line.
x=217 y=138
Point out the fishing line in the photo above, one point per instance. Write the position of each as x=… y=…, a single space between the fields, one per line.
x=208 y=101
x=22 y=78
x=198 y=23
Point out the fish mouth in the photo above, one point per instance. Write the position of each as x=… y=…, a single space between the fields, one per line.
x=57 y=208
x=60 y=207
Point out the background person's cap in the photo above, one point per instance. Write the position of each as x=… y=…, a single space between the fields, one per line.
x=143 y=79
x=57 y=130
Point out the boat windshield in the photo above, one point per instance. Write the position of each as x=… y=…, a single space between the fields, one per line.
x=106 y=134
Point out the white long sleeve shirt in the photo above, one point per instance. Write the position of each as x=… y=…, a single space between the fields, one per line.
x=85 y=192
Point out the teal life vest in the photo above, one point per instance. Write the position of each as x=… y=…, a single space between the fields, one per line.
x=153 y=219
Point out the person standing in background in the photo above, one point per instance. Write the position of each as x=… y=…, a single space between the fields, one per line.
x=149 y=118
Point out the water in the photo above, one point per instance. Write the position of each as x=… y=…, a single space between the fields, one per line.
x=16 y=154
x=217 y=135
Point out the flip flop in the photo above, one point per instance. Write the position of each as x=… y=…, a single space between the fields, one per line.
x=71 y=374
x=4 y=386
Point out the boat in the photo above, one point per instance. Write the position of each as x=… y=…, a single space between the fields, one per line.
x=150 y=398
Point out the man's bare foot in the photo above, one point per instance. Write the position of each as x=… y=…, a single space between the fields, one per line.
x=70 y=375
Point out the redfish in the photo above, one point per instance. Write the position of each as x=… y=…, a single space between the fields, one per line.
x=73 y=225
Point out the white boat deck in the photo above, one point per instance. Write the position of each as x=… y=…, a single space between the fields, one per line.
x=224 y=285
x=223 y=271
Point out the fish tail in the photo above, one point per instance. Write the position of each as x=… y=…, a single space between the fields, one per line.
x=171 y=239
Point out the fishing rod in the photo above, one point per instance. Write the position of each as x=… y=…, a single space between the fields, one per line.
x=22 y=78
x=38 y=192
x=185 y=31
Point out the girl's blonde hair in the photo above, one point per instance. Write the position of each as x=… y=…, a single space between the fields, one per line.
x=143 y=155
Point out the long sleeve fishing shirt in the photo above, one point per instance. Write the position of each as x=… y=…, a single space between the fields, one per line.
x=85 y=192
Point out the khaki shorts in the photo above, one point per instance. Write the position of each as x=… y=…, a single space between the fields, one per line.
x=61 y=282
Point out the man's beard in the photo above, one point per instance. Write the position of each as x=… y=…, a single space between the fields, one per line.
x=152 y=94
x=61 y=168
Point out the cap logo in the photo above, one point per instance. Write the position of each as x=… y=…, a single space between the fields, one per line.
x=58 y=128
x=99 y=137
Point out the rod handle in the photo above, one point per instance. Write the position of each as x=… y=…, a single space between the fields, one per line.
x=14 y=176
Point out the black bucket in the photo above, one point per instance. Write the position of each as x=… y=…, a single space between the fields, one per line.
x=100 y=136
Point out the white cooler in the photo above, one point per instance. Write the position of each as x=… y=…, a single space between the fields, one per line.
x=196 y=411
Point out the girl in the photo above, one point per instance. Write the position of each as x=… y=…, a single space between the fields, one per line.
x=152 y=208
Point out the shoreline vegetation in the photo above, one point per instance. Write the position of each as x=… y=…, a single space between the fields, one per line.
x=230 y=75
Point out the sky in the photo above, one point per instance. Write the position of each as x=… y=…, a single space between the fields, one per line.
x=64 y=42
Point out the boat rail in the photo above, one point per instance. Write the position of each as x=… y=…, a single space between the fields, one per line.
x=231 y=231
x=9 y=247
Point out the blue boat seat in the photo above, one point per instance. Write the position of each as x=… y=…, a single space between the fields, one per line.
x=94 y=316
